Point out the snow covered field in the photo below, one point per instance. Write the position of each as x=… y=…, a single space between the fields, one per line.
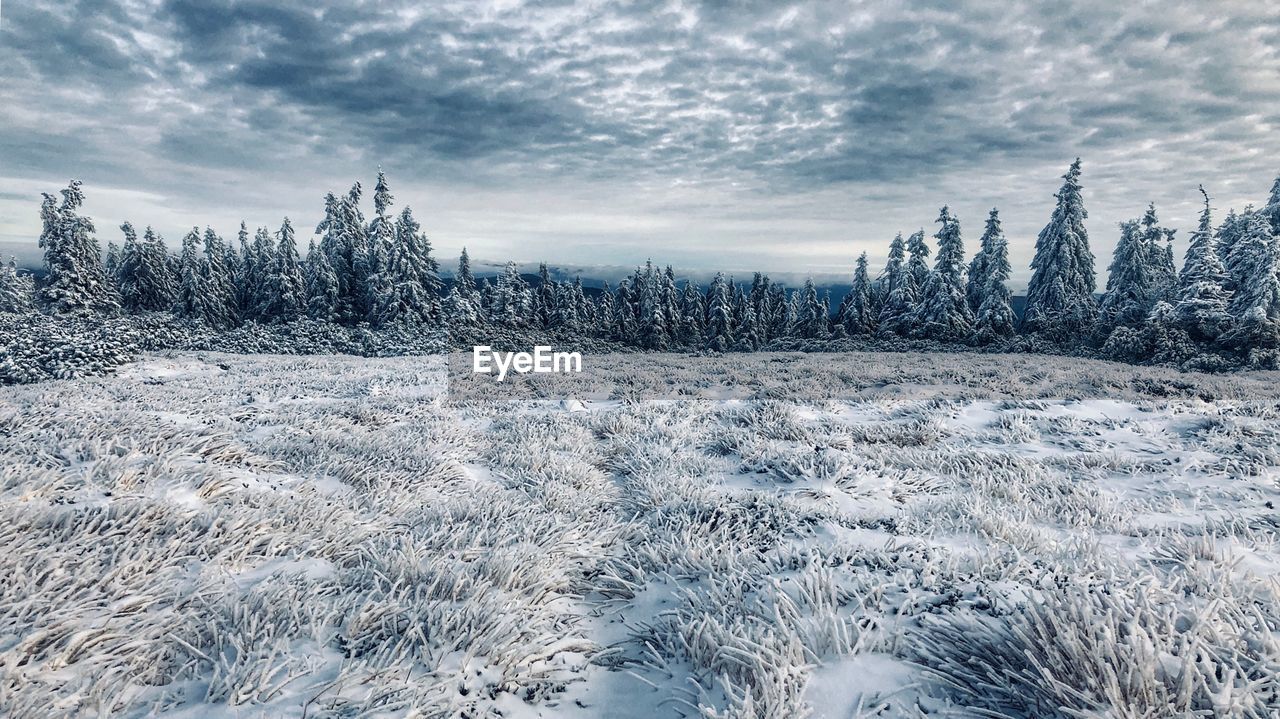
x=211 y=535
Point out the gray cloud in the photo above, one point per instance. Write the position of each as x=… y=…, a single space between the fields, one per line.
x=794 y=134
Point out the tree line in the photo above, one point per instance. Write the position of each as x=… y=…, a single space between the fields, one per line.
x=380 y=271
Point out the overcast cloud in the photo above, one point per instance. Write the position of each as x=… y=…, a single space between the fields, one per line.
x=744 y=135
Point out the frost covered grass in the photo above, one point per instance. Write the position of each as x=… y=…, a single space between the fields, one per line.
x=910 y=535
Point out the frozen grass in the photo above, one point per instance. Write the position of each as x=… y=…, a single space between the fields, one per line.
x=235 y=536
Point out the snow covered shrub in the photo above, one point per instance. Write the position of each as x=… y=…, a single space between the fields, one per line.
x=35 y=347
x=1260 y=358
x=1207 y=362
x=1126 y=344
x=17 y=292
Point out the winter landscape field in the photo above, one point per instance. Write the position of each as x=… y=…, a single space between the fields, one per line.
x=851 y=535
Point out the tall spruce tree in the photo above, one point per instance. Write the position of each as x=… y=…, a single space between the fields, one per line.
x=1202 y=297
x=811 y=319
x=1272 y=209
x=602 y=313
x=127 y=270
x=246 y=275
x=918 y=260
x=624 y=314
x=411 y=279
x=1255 y=304
x=544 y=298
x=857 y=317
x=943 y=312
x=511 y=300
x=111 y=263
x=1159 y=252
x=900 y=290
x=669 y=304
x=381 y=244
x=1131 y=281
x=994 y=318
x=978 y=270
x=719 y=322
x=194 y=300
x=145 y=282
x=75 y=279
x=322 y=286
x=693 y=312
x=286 y=296
x=464 y=280
x=1060 y=302
x=222 y=310
x=264 y=252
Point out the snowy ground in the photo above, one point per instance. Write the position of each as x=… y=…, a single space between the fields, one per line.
x=233 y=536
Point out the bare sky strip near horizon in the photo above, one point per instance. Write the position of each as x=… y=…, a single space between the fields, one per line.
x=786 y=137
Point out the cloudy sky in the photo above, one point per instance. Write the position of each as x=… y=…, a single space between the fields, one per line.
x=738 y=135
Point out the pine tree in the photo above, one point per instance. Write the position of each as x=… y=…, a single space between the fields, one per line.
x=363 y=260
x=17 y=292
x=485 y=300
x=669 y=304
x=568 y=311
x=748 y=334
x=1168 y=342
x=719 y=321
x=779 y=319
x=1272 y=209
x=894 y=274
x=160 y=280
x=943 y=312
x=544 y=298
x=586 y=309
x=978 y=266
x=1159 y=252
x=111 y=263
x=322 y=286
x=382 y=239
x=693 y=312
x=246 y=274
x=917 y=260
x=856 y=317
x=222 y=314
x=901 y=291
x=1202 y=298
x=1131 y=281
x=193 y=299
x=462 y=308
x=994 y=318
x=1060 y=299
x=126 y=271
x=811 y=319
x=411 y=278
x=145 y=282
x=1229 y=234
x=624 y=315
x=1255 y=305
x=75 y=279
x=460 y=311
x=264 y=252
x=464 y=280
x=511 y=300
x=604 y=313
x=760 y=299
x=286 y=295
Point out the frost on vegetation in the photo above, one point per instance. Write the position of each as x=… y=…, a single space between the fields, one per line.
x=221 y=535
